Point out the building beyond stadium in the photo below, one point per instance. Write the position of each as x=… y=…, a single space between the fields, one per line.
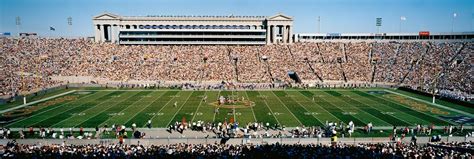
x=242 y=30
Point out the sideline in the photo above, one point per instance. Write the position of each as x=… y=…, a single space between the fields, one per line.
x=435 y=104
x=37 y=101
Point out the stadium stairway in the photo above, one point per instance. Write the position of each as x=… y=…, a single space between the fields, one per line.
x=312 y=70
x=415 y=62
x=342 y=61
x=289 y=51
x=373 y=63
x=392 y=61
x=448 y=65
x=343 y=46
x=269 y=71
x=319 y=53
x=201 y=70
x=343 y=72
x=457 y=52
x=236 y=69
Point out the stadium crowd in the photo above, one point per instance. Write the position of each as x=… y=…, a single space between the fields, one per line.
x=29 y=63
x=462 y=150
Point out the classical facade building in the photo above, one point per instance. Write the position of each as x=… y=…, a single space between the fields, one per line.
x=240 y=30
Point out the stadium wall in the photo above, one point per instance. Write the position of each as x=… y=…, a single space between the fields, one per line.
x=233 y=141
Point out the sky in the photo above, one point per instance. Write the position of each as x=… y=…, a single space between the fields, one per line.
x=337 y=16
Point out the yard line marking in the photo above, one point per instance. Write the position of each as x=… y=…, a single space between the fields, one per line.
x=60 y=105
x=292 y=97
x=434 y=104
x=214 y=118
x=395 y=116
x=186 y=101
x=159 y=111
x=194 y=115
x=366 y=111
x=273 y=114
x=64 y=111
x=318 y=105
x=287 y=108
x=341 y=108
x=36 y=101
x=406 y=106
x=233 y=111
x=358 y=108
x=141 y=109
x=115 y=104
x=254 y=117
x=94 y=106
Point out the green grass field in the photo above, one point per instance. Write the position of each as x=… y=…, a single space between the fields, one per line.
x=291 y=108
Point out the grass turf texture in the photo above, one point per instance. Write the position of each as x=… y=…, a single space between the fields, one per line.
x=290 y=108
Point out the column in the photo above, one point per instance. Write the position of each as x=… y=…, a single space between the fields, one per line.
x=290 y=34
x=97 y=33
x=274 y=34
x=268 y=34
x=113 y=32
x=101 y=33
x=283 y=34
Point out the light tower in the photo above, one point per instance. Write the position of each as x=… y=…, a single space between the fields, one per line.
x=69 y=23
x=18 y=23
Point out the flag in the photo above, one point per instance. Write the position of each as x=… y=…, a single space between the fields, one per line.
x=51 y=28
x=403 y=18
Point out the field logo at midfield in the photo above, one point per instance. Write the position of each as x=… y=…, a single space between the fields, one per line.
x=416 y=105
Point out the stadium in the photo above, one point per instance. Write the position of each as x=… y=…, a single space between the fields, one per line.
x=167 y=86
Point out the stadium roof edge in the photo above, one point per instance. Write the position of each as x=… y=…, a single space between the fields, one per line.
x=384 y=34
x=111 y=16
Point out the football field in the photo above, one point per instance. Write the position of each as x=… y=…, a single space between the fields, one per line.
x=291 y=108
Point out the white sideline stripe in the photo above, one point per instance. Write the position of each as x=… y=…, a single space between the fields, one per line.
x=37 y=101
x=435 y=104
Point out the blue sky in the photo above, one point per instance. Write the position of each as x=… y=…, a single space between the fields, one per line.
x=337 y=16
